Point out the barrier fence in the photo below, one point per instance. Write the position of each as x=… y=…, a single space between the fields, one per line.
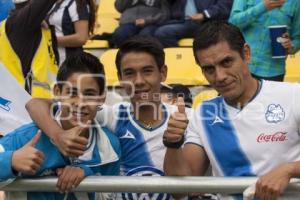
x=224 y=185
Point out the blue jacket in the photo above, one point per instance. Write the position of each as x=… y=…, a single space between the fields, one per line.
x=53 y=159
x=214 y=9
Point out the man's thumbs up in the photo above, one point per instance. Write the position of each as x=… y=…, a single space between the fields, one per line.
x=28 y=159
x=180 y=105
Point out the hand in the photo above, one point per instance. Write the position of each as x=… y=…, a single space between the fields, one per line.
x=287 y=43
x=69 y=178
x=140 y=22
x=177 y=123
x=271 y=4
x=70 y=143
x=271 y=185
x=197 y=18
x=28 y=160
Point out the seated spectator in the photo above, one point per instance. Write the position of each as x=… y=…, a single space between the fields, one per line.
x=28 y=152
x=253 y=18
x=73 y=21
x=187 y=16
x=139 y=17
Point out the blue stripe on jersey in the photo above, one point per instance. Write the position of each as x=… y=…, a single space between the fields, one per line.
x=223 y=140
x=134 y=150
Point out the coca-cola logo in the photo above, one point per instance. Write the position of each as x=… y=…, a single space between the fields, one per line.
x=276 y=137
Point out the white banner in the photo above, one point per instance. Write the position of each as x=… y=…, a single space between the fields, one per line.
x=13 y=98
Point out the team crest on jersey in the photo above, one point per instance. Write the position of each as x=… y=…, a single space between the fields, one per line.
x=275 y=113
x=145 y=171
x=4 y=104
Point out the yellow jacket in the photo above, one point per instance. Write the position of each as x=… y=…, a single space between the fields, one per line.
x=43 y=67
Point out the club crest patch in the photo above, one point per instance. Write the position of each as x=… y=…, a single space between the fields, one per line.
x=275 y=113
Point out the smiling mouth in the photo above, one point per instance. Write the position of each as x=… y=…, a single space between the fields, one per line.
x=79 y=115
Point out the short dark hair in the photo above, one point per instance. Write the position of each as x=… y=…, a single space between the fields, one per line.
x=215 y=31
x=180 y=90
x=145 y=44
x=81 y=62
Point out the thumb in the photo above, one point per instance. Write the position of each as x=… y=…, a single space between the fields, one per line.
x=35 y=139
x=180 y=105
x=83 y=127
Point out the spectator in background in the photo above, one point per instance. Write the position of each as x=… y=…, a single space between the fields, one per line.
x=253 y=18
x=187 y=16
x=139 y=17
x=73 y=21
x=5 y=7
x=27 y=50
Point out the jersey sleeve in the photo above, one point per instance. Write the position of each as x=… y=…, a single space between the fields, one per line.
x=192 y=134
x=78 y=12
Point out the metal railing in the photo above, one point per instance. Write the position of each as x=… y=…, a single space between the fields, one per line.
x=137 y=184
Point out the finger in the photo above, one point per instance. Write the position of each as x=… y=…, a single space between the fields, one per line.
x=79 y=143
x=61 y=182
x=35 y=139
x=172 y=137
x=175 y=131
x=178 y=124
x=180 y=105
x=71 y=179
x=59 y=171
x=85 y=127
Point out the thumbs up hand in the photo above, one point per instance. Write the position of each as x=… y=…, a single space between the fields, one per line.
x=28 y=159
x=71 y=142
x=177 y=124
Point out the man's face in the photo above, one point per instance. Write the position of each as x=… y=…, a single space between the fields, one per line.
x=225 y=70
x=79 y=97
x=141 y=77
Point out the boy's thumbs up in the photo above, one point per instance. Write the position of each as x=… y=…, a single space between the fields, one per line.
x=35 y=139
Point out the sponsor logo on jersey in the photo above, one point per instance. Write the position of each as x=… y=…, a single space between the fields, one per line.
x=127 y=135
x=217 y=120
x=275 y=113
x=276 y=137
x=4 y=104
x=145 y=171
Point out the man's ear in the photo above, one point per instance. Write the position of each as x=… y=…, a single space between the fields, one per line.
x=247 y=53
x=163 y=72
x=56 y=92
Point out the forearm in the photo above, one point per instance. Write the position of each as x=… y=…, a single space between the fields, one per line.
x=174 y=157
x=243 y=18
x=294 y=169
x=74 y=40
x=43 y=117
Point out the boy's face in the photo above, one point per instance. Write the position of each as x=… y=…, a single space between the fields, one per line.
x=141 y=77
x=80 y=97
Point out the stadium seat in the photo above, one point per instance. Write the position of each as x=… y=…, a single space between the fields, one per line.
x=182 y=67
x=105 y=25
x=107 y=9
x=96 y=44
x=203 y=96
x=293 y=68
x=108 y=60
x=186 y=42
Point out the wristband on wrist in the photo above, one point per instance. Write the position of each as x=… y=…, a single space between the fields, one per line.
x=173 y=145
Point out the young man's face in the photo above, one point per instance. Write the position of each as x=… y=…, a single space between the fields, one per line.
x=80 y=98
x=225 y=70
x=141 y=77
